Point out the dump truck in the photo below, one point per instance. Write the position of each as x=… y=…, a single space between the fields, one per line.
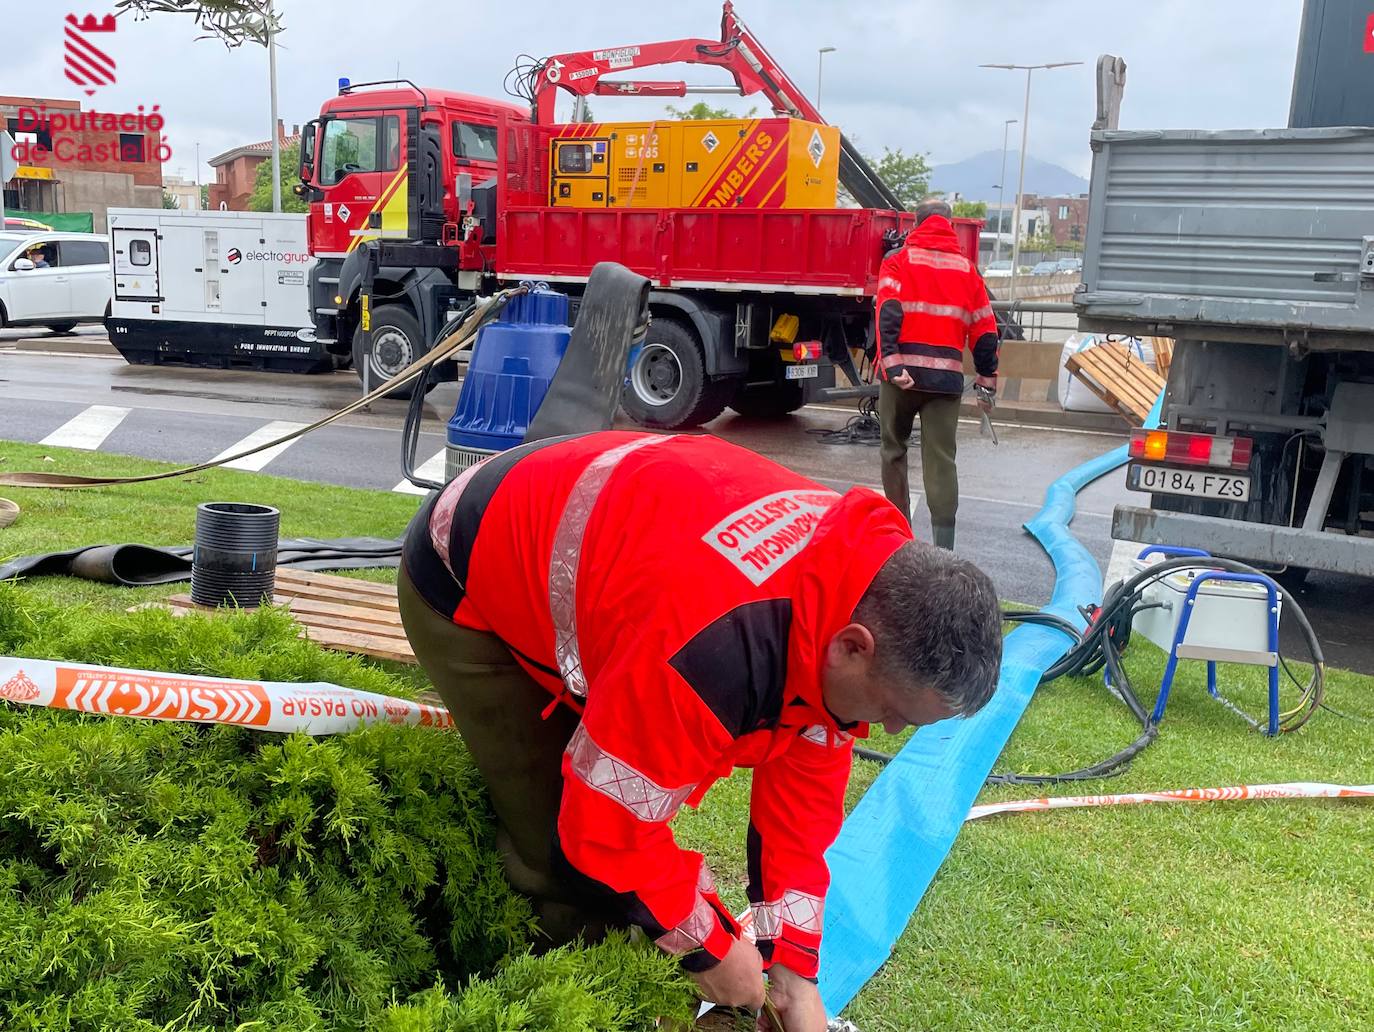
x=763 y=283
x=1254 y=249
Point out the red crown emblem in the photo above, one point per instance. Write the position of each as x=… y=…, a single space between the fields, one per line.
x=19 y=688
x=86 y=64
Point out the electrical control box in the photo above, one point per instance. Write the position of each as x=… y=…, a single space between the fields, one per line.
x=716 y=163
x=1230 y=619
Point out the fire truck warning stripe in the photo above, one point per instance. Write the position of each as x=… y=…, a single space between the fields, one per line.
x=727 y=163
x=722 y=157
x=382 y=203
x=774 y=199
x=764 y=181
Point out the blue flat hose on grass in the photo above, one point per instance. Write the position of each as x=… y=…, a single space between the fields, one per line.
x=894 y=841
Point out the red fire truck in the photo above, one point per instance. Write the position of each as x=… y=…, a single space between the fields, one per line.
x=760 y=289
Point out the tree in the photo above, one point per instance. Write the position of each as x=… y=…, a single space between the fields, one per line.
x=232 y=21
x=261 y=197
x=169 y=199
x=204 y=197
x=906 y=175
x=1042 y=241
x=970 y=209
x=702 y=111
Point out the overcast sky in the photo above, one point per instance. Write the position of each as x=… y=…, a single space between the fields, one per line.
x=904 y=75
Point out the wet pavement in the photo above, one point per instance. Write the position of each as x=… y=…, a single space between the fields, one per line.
x=188 y=415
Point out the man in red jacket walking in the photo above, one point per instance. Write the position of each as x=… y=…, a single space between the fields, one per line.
x=617 y=620
x=931 y=306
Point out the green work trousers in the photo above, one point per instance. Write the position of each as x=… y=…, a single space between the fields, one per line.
x=498 y=709
x=897 y=412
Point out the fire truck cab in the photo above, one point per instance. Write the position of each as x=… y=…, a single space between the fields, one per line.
x=360 y=162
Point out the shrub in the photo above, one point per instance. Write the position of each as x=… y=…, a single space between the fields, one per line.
x=176 y=876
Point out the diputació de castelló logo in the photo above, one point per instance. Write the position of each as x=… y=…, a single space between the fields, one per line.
x=71 y=135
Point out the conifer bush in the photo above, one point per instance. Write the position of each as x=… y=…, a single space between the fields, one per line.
x=172 y=876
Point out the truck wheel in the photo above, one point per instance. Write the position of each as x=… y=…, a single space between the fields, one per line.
x=769 y=401
x=396 y=342
x=668 y=388
x=61 y=327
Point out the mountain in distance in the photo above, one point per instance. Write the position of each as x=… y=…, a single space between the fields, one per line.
x=975 y=178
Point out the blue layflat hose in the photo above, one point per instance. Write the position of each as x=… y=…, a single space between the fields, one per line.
x=894 y=841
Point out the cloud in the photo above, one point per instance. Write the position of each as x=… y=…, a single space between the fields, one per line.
x=904 y=74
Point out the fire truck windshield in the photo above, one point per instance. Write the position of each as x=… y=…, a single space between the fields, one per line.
x=367 y=144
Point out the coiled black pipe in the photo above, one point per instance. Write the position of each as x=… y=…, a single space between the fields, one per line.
x=235 y=557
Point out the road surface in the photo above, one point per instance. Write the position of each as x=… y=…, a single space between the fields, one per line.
x=189 y=416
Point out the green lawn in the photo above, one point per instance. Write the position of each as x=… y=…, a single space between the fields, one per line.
x=1216 y=916
x=164 y=512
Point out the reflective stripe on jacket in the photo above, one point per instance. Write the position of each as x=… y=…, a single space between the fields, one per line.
x=931 y=305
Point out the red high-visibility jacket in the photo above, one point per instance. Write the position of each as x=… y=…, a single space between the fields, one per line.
x=681 y=592
x=931 y=305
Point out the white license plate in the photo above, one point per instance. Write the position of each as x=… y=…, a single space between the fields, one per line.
x=1224 y=487
x=802 y=372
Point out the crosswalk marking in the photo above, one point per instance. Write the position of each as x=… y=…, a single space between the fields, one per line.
x=431 y=469
x=87 y=430
x=263 y=434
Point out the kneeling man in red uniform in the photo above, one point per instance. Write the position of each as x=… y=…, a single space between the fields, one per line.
x=617 y=620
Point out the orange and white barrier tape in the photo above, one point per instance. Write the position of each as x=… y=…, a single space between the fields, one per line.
x=316 y=708
x=1287 y=790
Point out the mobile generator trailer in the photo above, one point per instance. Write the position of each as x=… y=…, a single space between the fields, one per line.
x=213 y=288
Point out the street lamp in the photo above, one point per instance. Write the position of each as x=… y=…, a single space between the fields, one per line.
x=820 y=58
x=272 y=87
x=1021 y=177
x=1001 y=195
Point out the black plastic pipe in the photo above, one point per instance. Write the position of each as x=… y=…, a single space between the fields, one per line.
x=235 y=557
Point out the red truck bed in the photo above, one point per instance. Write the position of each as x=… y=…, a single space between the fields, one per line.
x=830 y=251
x=799 y=251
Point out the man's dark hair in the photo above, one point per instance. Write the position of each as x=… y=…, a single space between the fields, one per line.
x=933 y=206
x=937 y=624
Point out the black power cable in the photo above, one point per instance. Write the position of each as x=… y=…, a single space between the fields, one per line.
x=1101 y=645
x=410 y=430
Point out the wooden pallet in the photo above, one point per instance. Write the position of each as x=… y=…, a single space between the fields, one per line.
x=334 y=612
x=1164 y=354
x=1118 y=377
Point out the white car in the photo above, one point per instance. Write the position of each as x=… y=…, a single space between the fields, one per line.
x=54 y=279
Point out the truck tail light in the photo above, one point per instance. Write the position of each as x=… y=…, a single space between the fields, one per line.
x=1184 y=449
x=804 y=350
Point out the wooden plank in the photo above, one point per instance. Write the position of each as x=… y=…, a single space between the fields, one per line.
x=383 y=621
x=355 y=627
x=1164 y=355
x=286 y=575
x=309 y=607
x=370 y=627
x=366 y=644
x=333 y=596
